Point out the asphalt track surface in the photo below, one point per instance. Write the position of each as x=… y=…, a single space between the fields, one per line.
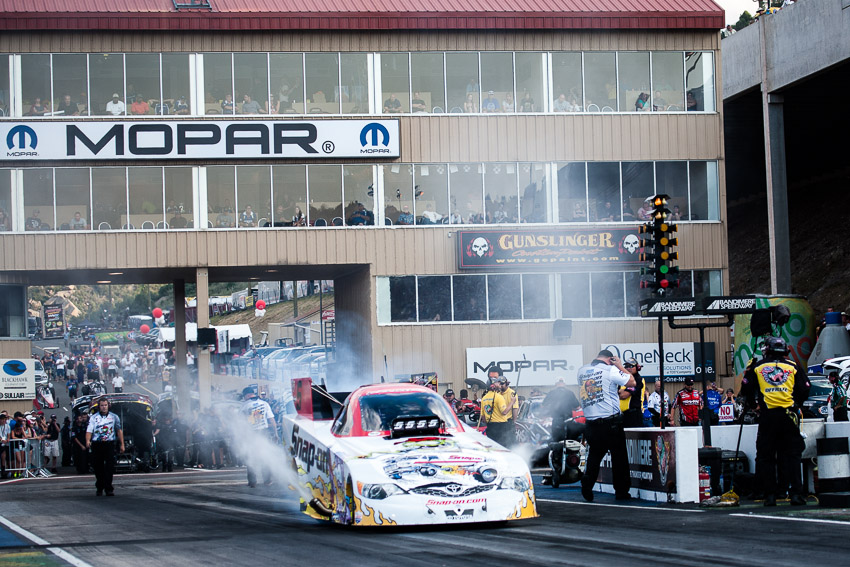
x=198 y=517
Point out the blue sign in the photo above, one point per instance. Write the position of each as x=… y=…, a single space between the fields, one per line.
x=21 y=132
x=14 y=367
x=374 y=128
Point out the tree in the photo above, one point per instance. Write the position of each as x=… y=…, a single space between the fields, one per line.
x=745 y=20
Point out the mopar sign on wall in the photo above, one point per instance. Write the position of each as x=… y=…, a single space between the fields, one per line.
x=200 y=139
x=528 y=365
x=681 y=360
x=541 y=248
x=17 y=379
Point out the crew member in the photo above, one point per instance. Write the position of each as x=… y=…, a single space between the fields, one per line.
x=713 y=400
x=599 y=382
x=631 y=399
x=560 y=404
x=103 y=429
x=260 y=420
x=512 y=401
x=838 y=398
x=779 y=385
x=495 y=375
x=495 y=411
x=455 y=403
x=689 y=403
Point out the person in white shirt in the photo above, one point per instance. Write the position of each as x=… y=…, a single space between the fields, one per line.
x=101 y=433
x=115 y=107
x=118 y=383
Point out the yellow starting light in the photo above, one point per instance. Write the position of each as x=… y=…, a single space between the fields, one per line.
x=669 y=255
x=660 y=201
x=664 y=241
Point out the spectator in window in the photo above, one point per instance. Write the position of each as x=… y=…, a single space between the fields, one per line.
x=676 y=215
x=139 y=106
x=628 y=215
x=491 y=103
x=418 y=104
x=162 y=108
x=33 y=221
x=4 y=110
x=115 y=107
x=178 y=220
x=692 y=103
x=561 y=104
x=527 y=103
x=642 y=102
x=471 y=104
x=250 y=106
x=405 y=217
x=272 y=105
x=37 y=108
x=729 y=30
x=658 y=102
x=78 y=222
x=508 y=105
x=361 y=216
x=67 y=107
x=392 y=105
x=298 y=218
x=645 y=212
x=430 y=216
x=248 y=218
x=225 y=219
x=181 y=106
x=579 y=212
x=227 y=106
x=5 y=221
x=607 y=213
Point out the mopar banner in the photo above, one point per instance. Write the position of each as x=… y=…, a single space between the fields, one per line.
x=528 y=365
x=652 y=460
x=54 y=325
x=17 y=379
x=681 y=360
x=199 y=139
x=565 y=247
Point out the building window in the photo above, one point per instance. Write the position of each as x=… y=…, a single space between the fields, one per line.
x=253 y=195
x=109 y=198
x=38 y=199
x=603 y=190
x=462 y=83
x=35 y=85
x=466 y=190
x=668 y=81
x=501 y=201
x=497 y=82
x=5 y=98
x=600 y=82
x=13 y=320
x=322 y=80
x=6 y=212
x=395 y=83
x=633 y=78
x=431 y=192
x=289 y=193
x=699 y=77
x=69 y=84
x=469 y=298
x=354 y=91
x=402 y=299
x=428 y=82
x=504 y=297
x=251 y=78
x=434 y=297
x=287 y=81
x=73 y=199
x=607 y=294
x=530 y=82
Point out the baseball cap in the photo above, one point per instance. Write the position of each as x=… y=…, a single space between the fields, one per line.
x=490 y=92
x=52 y=416
x=502 y=380
x=631 y=361
x=689 y=381
x=116 y=95
x=449 y=392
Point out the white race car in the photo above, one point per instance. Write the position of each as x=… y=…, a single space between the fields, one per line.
x=397 y=455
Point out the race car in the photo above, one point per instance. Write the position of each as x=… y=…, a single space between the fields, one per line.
x=396 y=454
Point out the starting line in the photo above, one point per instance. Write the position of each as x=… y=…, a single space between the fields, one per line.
x=57 y=551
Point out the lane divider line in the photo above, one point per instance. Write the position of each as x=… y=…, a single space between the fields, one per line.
x=793 y=519
x=632 y=507
x=57 y=551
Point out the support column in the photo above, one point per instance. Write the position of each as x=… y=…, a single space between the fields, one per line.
x=777 y=182
x=181 y=375
x=203 y=318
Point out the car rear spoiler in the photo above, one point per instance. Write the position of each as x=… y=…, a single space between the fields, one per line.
x=313 y=401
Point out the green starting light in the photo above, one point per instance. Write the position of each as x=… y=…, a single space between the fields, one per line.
x=664 y=269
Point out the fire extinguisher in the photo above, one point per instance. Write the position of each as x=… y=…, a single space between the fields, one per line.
x=704 y=484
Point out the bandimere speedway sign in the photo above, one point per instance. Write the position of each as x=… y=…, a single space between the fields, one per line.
x=199 y=139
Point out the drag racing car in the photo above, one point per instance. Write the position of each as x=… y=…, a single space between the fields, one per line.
x=396 y=454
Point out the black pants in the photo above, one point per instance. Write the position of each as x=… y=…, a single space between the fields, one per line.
x=632 y=418
x=4 y=458
x=103 y=461
x=81 y=459
x=605 y=435
x=67 y=451
x=839 y=414
x=779 y=444
x=498 y=432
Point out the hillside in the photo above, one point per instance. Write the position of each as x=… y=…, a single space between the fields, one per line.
x=277 y=313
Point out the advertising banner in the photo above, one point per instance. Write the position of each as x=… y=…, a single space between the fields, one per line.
x=54 y=325
x=681 y=360
x=17 y=379
x=527 y=365
x=542 y=248
x=199 y=139
x=652 y=461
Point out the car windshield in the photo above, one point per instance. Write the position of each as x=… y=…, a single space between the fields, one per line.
x=820 y=388
x=378 y=411
x=38 y=365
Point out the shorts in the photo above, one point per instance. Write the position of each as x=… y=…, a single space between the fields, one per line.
x=51 y=448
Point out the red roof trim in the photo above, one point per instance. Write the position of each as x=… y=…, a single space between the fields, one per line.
x=358 y=21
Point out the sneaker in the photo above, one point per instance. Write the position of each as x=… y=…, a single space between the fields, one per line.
x=587 y=494
x=798 y=500
x=110 y=493
x=770 y=500
x=99 y=492
x=623 y=496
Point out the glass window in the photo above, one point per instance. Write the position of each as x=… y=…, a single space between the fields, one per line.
x=69 y=84
x=575 y=296
x=705 y=197
x=4 y=86
x=253 y=195
x=221 y=196
x=146 y=206
x=530 y=70
x=699 y=76
x=603 y=189
x=635 y=293
x=535 y=296
x=403 y=299
x=504 y=297
x=143 y=84
x=290 y=195
x=600 y=82
x=73 y=207
x=359 y=205
x=109 y=196
x=497 y=82
x=668 y=81
x=395 y=83
x=178 y=197
x=13 y=302
x=572 y=192
x=322 y=82
x=354 y=94
x=432 y=195
x=638 y=185
x=671 y=178
x=35 y=84
x=635 y=90
x=469 y=298
x=106 y=81
x=707 y=283
x=534 y=198
x=38 y=199
x=567 y=82
x=462 y=89
x=6 y=224
x=428 y=80
x=175 y=85
x=681 y=286
x=435 y=298
x=500 y=198
x=607 y=294
x=466 y=193
x=325 y=194
x=287 y=77
x=398 y=193
x=218 y=84
x=252 y=83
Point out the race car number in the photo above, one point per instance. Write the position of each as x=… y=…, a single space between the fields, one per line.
x=416 y=424
x=404 y=426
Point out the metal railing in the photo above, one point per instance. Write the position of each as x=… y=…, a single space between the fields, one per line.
x=26 y=459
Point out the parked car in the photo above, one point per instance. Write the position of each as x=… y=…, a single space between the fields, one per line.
x=816 y=406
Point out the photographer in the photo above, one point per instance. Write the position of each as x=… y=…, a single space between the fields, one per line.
x=631 y=399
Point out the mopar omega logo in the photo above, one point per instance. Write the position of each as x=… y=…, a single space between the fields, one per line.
x=374 y=129
x=17 y=137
